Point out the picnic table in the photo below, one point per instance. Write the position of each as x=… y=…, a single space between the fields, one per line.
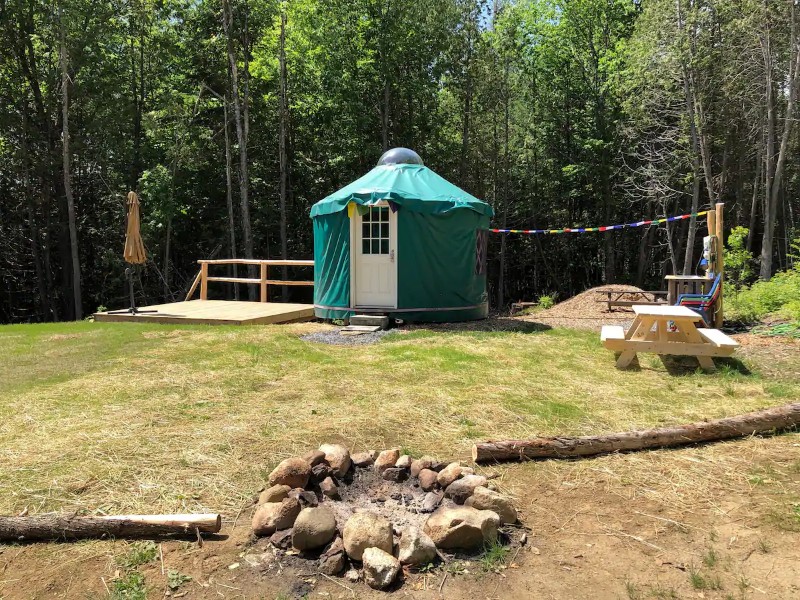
x=614 y=298
x=667 y=330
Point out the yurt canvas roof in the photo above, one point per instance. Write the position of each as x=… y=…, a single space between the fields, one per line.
x=414 y=187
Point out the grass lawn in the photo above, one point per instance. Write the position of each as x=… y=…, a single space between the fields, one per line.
x=121 y=418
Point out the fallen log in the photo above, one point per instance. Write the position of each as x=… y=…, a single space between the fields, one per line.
x=56 y=526
x=760 y=421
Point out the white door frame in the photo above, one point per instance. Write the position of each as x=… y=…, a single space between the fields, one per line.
x=354 y=223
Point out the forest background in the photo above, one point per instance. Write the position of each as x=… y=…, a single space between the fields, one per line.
x=232 y=117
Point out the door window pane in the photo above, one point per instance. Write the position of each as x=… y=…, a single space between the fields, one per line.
x=376 y=230
x=376 y=246
x=385 y=230
x=365 y=230
x=385 y=214
x=365 y=247
x=384 y=246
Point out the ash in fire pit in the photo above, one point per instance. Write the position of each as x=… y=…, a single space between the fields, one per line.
x=377 y=511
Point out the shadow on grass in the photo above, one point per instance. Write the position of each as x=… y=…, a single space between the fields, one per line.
x=490 y=325
x=681 y=366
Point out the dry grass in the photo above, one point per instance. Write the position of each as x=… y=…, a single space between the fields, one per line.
x=142 y=418
x=137 y=418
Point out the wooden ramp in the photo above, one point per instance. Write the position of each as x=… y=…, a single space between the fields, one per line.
x=216 y=312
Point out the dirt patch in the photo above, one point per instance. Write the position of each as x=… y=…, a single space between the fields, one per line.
x=587 y=310
x=622 y=526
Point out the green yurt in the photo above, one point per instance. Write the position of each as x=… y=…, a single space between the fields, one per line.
x=401 y=241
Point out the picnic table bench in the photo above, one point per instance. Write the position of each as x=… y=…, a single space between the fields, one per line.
x=667 y=330
x=614 y=297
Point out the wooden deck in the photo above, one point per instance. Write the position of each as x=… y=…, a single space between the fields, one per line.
x=216 y=312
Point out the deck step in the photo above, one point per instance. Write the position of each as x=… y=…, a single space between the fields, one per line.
x=358 y=329
x=381 y=321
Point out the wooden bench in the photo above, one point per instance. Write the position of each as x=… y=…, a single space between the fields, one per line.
x=610 y=333
x=718 y=339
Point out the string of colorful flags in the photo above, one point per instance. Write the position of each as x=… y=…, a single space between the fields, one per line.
x=605 y=228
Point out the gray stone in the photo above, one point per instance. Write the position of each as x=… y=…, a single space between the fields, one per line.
x=485 y=499
x=313 y=528
x=332 y=561
x=282 y=539
x=387 y=459
x=332 y=565
x=276 y=493
x=366 y=530
x=431 y=501
x=380 y=568
x=305 y=497
x=449 y=474
x=364 y=459
x=427 y=479
x=320 y=472
x=352 y=576
x=424 y=462
x=395 y=474
x=329 y=488
x=273 y=516
x=404 y=462
x=461 y=489
x=462 y=528
x=293 y=472
x=338 y=457
x=415 y=548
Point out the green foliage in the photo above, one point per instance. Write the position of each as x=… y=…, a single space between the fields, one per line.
x=176 y=579
x=546 y=301
x=780 y=296
x=494 y=556
x=738 y=261
x=138 y=554
x=130 y=586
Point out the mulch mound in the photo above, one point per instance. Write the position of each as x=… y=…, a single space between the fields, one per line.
x=585 y=312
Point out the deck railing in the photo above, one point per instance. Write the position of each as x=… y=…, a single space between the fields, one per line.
x=203 y=278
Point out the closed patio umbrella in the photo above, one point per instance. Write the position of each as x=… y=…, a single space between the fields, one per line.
x=134 y=253
x=134 y=246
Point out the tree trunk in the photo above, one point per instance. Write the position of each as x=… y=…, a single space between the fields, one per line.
x=229 y=197
x=688 y=261
x=284 y=163
x=466 y=115
x=44 y=297
x=71 y=527
x=77 y=308
x=242 y=128
x=167 y=250
x=761 y=421
x=773 y=197
x=137 y=97
x=643 y=261
x=751 y=233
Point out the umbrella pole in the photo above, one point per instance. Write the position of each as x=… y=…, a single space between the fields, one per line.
x=132 y=310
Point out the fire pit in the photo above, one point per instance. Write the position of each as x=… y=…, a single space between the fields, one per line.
x=368 y=515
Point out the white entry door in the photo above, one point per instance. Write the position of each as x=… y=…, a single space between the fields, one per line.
x=375 y=277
